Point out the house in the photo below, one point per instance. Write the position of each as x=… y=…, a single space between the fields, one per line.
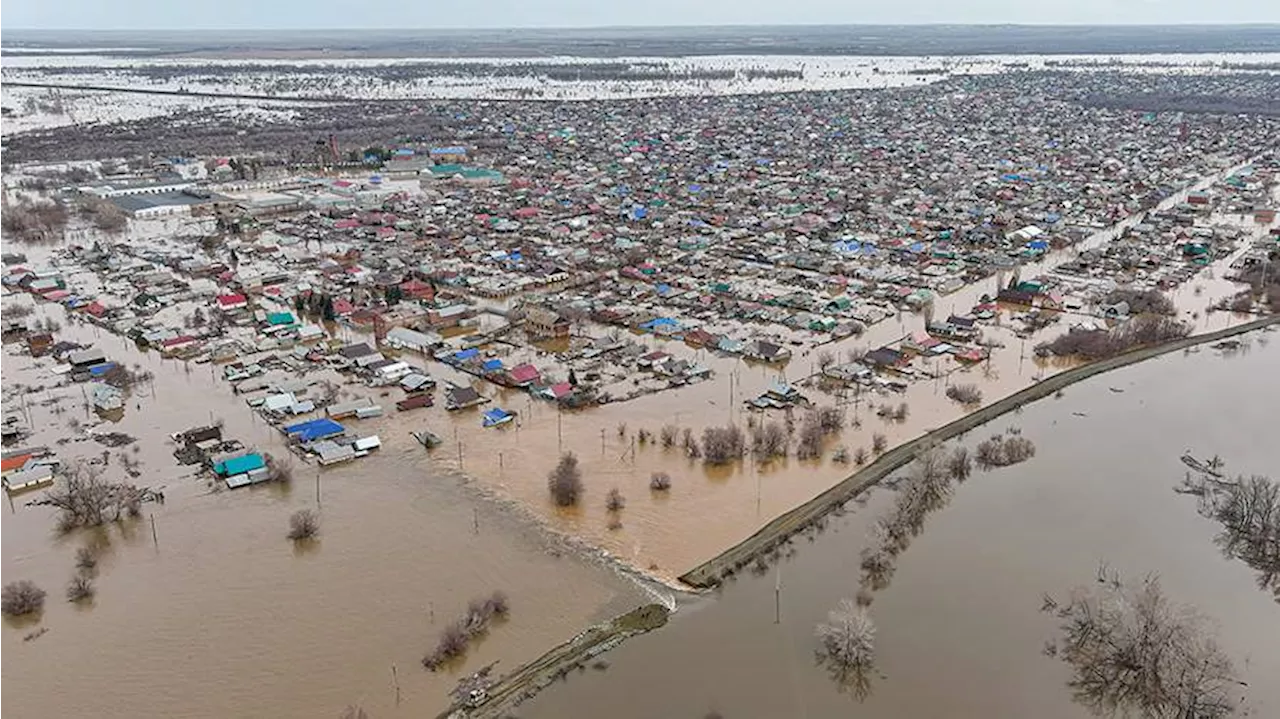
x=700 y=338
x=232 y=302
x=239 y=465
x=523 y=375
x=414 y=382
x=415 y=401
x=32 y=475
x=450 y=316
x=556 y=392
x=784 y=392
x=542 y=324
x=417 y=290
x=847 y=372
x=329 y=452
x=86 y=358
x=402 y=338
x=347 y=409
x=767 y=351
x=886 y=358
x=314 y=429
x=462 y=397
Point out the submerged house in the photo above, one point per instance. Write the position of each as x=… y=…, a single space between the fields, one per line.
x=463 y=397
x=767 y=351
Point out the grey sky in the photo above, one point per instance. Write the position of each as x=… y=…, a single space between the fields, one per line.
x=410 y=14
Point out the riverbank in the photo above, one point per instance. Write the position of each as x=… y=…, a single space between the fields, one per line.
x=711 y=572
x=555 y=664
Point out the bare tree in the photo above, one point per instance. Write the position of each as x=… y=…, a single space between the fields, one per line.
x=458 y=635
x=959 y=464
x=1132 y=651
x=1249 y=512
x=846 y=644
x=21 y=597
x=968 y=394
x=565 y=481
x=668 y=435
x=860 y=456
x=660 y=482
x=354 y=712
x=80 y=588
x=1002 y=451
x=878 y=443
x=614 y=501
x=84 y=499
x=721 y=445
x=809 y=446
x=769 y=441
x=86 y=560
x=304 y=524
x=825 y=359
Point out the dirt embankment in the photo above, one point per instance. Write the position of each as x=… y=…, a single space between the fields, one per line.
x=530 y=678
x=710 y=573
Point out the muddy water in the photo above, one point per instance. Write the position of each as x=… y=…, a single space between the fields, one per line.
x=709 y=509
x=959 y=628
x=221 y=616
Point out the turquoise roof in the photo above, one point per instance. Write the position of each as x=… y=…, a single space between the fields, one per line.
x=240 y=465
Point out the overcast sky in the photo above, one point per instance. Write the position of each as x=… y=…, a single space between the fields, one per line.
x=411 y=14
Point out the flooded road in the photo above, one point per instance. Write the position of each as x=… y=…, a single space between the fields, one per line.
x=221 y=616
x=959 y=631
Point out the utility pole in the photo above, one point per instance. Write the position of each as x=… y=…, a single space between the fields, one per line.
x=154 y=540
x=777 y=595
x=317 y=486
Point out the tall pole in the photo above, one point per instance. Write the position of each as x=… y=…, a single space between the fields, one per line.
x=777 y=596
x=317 y=486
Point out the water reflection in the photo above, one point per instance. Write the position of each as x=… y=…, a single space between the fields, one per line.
x=958 y=631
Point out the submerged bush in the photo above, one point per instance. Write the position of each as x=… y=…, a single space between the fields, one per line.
x=304 y=524
x=1002 y=451
x=21 y=597
x=565 y=481
x=965 y=393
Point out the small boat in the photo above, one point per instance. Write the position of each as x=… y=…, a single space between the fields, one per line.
x=427 y=438
x=497 y=417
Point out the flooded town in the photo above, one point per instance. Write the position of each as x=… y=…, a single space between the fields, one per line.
x=390 y=379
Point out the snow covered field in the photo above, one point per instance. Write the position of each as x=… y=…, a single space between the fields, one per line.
x=549 y=78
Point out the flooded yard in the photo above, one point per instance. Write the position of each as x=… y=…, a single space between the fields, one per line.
x=220 y=614
x=959 y=631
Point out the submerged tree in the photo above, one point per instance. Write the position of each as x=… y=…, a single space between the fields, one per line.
x=84 y=499
x=1249 y=512
x=1133 y=652
x=565 y=481
x=846 y=644
x=304 y=524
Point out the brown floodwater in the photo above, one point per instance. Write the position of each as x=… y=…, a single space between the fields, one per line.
x=225 y=617
x=959 y=631
x=221 y=616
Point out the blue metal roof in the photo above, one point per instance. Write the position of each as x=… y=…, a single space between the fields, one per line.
x=315 y=429
x=466 y=354
x=492 y=365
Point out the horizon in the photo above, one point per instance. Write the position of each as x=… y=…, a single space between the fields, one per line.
x=644 y=26
x=453 y=15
